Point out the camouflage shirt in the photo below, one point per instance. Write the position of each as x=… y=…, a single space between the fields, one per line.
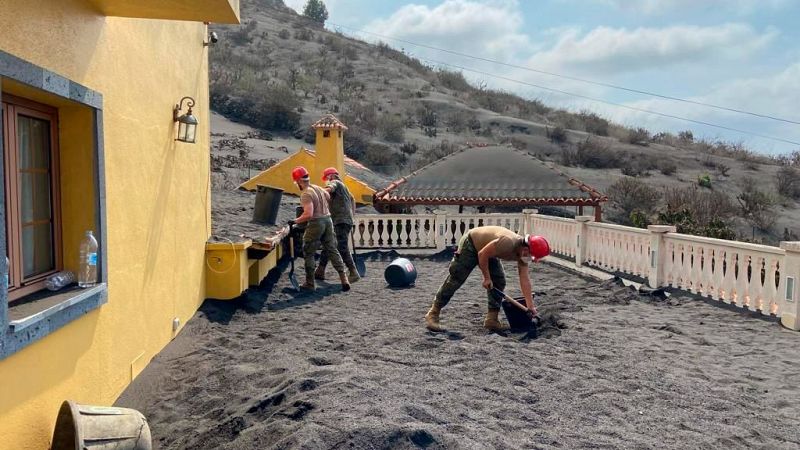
x=341 y=204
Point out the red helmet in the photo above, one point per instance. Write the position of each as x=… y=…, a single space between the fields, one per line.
x=538 y=246
x=329 y=171
x=298 y=173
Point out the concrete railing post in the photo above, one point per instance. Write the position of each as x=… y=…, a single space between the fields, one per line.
x=528 y=218
x=440 y=222
x=790 y=274
x=656 y=274
x=581 y=234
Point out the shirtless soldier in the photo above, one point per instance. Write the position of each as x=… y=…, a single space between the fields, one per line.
x=485 y=247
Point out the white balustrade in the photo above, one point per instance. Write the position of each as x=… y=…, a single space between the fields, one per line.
x=395 y=231
x=558 y=231
x=746 y=275
x=615 y=248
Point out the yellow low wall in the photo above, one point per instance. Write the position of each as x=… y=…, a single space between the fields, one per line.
x=229 y=271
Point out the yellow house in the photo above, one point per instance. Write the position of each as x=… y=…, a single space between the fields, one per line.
x=329 y=152
x=89 y=90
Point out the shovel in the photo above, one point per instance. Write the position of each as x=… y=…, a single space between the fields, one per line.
x=292 y=277
x=520 y=306
x=360 y=266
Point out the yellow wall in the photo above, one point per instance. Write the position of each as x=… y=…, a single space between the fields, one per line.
x=280 y=176
x=158 y=211
x=359 y=190
x=329 y=152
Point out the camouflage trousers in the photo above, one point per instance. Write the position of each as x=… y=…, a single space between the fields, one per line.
x=342 y=232
x=320 y=230
x=465 y=260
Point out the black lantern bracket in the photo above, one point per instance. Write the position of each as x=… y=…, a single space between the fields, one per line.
x=179 y=107
x=187 y=123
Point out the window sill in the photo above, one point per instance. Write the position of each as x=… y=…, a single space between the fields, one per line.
x=49 y=305
x=32 y=321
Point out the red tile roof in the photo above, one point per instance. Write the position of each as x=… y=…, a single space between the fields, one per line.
x=329 y=121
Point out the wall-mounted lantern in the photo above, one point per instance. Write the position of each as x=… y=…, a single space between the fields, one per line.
x=187 y=123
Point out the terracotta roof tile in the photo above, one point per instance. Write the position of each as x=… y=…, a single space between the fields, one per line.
x=329 y=121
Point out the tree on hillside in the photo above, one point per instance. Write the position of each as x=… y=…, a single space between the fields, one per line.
x=316 y=11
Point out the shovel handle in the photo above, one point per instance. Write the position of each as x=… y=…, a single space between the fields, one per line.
x=511 y=300
x=291 y=244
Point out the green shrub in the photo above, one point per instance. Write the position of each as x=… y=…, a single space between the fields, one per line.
x=426 y=116
x=685 y=222
x=391 y=128
x=667 y=167
x=638 y=136
x=639 y=219
x=557 y=135
x=379 y=157
x=787 y=182
x=453 y=80
x=627 y=195
x=757 y=206
x=592 y=123
x=704 y=181
x=703 y=205
x=595 y=154
x=409 y=148
x=243 y=35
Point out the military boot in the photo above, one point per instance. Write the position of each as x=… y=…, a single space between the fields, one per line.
x=352 y=275
x=345 y=282
x=432 y=319
x=319 y=274
x=309 y=284
x=492 y=322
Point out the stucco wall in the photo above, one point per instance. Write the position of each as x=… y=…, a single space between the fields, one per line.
x=158 y=209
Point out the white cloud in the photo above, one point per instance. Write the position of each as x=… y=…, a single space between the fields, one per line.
x=663 y=6
x=618 y=50
x=490 y=28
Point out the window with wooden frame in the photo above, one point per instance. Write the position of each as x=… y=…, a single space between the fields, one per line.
x=33 y=225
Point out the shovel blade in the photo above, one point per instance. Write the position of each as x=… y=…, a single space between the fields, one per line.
x=361 y=267
x=293 y=281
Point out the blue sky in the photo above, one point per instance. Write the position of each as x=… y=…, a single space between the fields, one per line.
x=742 y=54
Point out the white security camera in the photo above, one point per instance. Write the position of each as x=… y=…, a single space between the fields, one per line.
x=213 y=38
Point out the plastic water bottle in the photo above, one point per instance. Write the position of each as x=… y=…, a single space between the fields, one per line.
x=87 y=275
x=59 y=280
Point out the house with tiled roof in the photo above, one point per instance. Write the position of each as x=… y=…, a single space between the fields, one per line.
x=489 y=176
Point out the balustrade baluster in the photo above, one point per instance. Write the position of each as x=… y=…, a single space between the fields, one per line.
x=742 y=267
x=771 y=280
x=717 y=275
x=729 y=277
x=756 y=282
